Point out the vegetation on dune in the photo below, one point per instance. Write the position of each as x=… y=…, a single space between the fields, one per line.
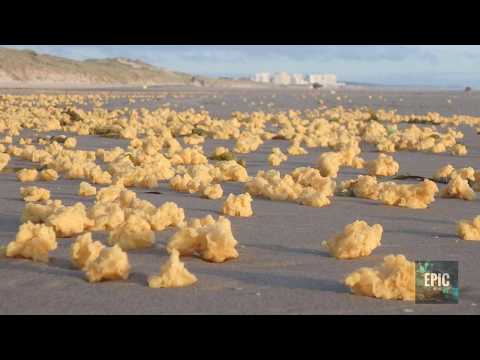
x=27 y=65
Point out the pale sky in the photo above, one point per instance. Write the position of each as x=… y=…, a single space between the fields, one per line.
x=435 y=65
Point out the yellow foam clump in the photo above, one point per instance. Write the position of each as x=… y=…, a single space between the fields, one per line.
x=86 y=190
x=134 y=233
x=238 y=205
x=173 y=274
x=212 y=192
x=111 y=264
x=48 y=175
x=296 y=150
x=169 y=214
x=416 y=196
x=444 y=172
x=459 y=150
x=357 y=240
x=413 y=196
x=4 y=159
x=33 y=241
x=38 y=213
x=459 y=188
x=394 y=279
x=469 y=229
x=212 y=240
x=384 y=165
x=277 y=157
x=70 y=143
x=34 y=194
x=305 y=186
x=70 y=221
x=84 y=251
x=106 y=216
x=27 y=175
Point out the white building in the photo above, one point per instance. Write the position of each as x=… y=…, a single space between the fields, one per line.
x=282 y=78
x=326 y=80
x=263 y=78
x=298 y=79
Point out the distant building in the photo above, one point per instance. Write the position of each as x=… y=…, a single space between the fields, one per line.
x=282 y=78
x=262 y=78
x=298 y=79
x=315 y=79
x=326 y=80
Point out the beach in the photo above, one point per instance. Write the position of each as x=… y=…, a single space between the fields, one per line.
x=282 y=268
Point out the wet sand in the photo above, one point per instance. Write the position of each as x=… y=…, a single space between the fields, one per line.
x=282 y=268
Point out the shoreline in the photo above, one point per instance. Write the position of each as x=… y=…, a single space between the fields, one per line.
x=5 y=87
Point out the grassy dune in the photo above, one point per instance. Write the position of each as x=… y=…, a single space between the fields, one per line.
x=29 y=66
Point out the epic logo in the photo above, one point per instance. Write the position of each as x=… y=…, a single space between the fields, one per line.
x=436 y=280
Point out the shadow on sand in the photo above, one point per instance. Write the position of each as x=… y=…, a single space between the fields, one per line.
x=423 y=233
x=289 y=250
x=279 y=281
x=56 y=267
x=9 y=223
x=419 y=219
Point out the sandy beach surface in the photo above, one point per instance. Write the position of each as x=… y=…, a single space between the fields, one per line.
x=282 y=268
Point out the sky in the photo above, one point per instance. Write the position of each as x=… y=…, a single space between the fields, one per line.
x=418 y=65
